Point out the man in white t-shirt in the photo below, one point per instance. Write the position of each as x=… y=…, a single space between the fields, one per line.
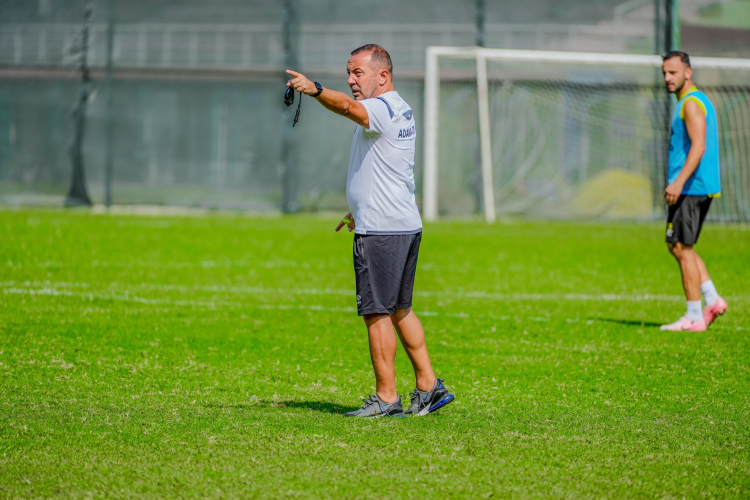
x=387 y=226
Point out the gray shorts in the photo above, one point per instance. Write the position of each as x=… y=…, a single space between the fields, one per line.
x=385 y=267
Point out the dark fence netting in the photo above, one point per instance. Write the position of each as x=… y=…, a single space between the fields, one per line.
x=185 y=101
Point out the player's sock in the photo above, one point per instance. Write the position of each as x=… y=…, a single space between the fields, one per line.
x=694 y=311
x=710 y=295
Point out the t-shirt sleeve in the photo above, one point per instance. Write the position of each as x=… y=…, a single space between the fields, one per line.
x=379 y=113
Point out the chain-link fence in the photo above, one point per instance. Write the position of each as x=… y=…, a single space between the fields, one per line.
x=192 y=111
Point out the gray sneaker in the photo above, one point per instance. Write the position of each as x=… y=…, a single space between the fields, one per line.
x=376 y=407
x=423 y=402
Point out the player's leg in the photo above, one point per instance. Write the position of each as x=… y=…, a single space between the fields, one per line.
x=693 y=318
x=691 y=276
x=708 y=290
x=386 y=401
x=683 y=226
x=412 y=337
x=702 y=268
x=407 y=324
x=371 y=271
x=430 y=394
x=715 y=304
x=383 y=353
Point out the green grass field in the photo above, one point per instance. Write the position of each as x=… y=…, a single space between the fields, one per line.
x=213 y=357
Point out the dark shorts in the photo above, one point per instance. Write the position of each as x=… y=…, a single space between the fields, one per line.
x=385 y=267
x=685 y=219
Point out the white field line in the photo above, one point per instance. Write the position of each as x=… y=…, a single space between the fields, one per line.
x=206 y=264
x=124 y=298
x=191 y=303
x=194 y=303
x=492 y=296
x=283 y=307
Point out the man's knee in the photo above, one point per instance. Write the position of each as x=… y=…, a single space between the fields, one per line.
x=674 y=249
x=371 y=319
x=679 y=250
x=400 y=314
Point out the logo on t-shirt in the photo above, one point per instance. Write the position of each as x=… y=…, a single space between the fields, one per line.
x=407 y=133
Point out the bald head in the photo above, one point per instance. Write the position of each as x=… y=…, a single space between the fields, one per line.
x=379 y=57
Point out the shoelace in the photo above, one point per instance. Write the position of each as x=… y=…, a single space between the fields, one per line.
x=370 y=401
x=415 y=394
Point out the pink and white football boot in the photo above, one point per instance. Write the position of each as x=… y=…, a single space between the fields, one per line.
x=710 y=313
x=685 y=325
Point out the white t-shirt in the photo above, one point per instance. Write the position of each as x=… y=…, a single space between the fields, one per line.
x=380 y=186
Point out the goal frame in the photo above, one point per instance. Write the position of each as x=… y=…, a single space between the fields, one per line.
x=481 y=55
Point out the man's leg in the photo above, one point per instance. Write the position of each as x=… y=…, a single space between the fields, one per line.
x=715 y=304
x=691 y=274
x=383 y=353
x=710 y=295
x=693 y=320
x=684 y=222
x=412 y=337
x=702 y=268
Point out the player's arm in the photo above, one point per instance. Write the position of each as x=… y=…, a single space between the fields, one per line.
x=695 y=122
x=338 y=102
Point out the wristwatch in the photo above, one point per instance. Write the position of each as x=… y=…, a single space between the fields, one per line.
x=319 y=87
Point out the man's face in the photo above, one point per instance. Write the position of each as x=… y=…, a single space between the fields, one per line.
x=363 y=78
x=675 y=74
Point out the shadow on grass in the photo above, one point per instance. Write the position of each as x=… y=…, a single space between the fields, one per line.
x=321 y=406
x=627 y=322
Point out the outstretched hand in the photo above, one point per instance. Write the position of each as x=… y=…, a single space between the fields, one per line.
x=300 y=83
x=347 y=221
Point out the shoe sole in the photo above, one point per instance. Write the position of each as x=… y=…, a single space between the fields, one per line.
x=447 y=399
x=379 y=415
x=690 y=329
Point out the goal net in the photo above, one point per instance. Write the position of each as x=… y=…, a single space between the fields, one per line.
x=568 y=135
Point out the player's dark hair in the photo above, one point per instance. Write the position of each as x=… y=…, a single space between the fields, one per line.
x=378 y=55
x=677 y=53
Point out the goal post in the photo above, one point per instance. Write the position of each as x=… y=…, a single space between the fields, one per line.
x=574 y=99
x=485 y=141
